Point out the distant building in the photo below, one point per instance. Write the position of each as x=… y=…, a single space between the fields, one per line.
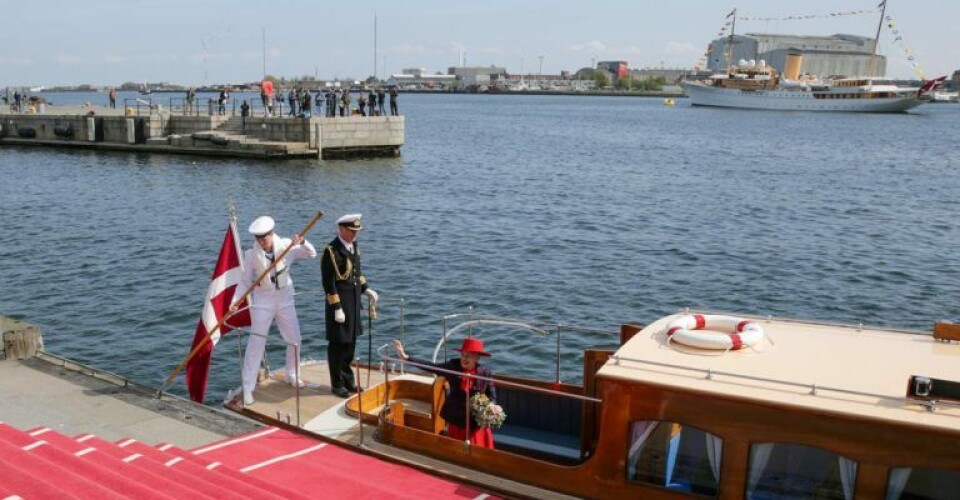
x=415 y=72
x=419 y=79
x=618 y=69
x=849 y=55
x=477 y=75
x=671 y=74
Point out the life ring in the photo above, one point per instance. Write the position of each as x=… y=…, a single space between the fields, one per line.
x=688 y=330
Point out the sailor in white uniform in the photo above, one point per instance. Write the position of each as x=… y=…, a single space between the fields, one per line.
x=272 y=299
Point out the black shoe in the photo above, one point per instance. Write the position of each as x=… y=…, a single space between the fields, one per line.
x=353 y=389
x=341 y=392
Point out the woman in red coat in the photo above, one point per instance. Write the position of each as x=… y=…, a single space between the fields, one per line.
x=454 y=409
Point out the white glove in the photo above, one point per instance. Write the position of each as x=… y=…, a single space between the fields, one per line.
x=372 y=295
x=338 y=315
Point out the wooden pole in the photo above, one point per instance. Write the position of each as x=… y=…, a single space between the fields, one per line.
x=246 y=295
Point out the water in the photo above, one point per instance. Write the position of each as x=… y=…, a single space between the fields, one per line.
x=579 y=210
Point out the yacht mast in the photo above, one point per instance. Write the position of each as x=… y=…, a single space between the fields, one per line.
x=876 y=40
x=733 y=30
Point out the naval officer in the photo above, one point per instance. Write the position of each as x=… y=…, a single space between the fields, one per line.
x=272 y=299
x=343 y=284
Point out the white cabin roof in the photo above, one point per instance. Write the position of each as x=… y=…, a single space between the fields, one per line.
x=875 y=364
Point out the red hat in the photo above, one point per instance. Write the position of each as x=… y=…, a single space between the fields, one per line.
x=474 y=346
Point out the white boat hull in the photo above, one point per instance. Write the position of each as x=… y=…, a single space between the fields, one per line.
x=793 y=100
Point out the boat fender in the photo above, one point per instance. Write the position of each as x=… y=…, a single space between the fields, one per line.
x=689 y=330
x=63 y=131
x=27 y=132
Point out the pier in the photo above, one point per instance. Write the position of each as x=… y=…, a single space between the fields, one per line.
x=157 y=130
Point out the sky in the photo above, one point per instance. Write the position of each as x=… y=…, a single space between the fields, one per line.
x=195 y=42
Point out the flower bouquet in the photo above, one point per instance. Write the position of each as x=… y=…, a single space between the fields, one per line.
x=485 y=412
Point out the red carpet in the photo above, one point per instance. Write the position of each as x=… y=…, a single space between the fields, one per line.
x=268 y=464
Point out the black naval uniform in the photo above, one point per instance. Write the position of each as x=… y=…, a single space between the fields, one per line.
x=344 y=284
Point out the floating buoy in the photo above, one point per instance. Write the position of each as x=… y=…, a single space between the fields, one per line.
x=669 y=101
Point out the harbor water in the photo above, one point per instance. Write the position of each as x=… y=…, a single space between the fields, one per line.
x=588 y=211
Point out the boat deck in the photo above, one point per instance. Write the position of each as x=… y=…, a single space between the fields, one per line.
x=850 y=370
x=324 y=414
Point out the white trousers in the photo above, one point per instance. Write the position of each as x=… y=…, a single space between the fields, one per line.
x=269 y=306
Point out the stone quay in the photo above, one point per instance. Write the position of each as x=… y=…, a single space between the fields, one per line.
x=156 y=130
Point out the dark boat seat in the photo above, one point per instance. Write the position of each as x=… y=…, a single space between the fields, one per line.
x=543 y=426
x=550 y=446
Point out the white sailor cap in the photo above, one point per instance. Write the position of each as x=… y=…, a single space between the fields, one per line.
x=351 y=221
x=261 y=225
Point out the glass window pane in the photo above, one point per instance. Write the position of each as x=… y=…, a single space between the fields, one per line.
x=906 y=483
x=674 y=456
x=793 y=471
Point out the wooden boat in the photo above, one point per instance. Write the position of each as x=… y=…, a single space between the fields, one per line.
x=808 y=410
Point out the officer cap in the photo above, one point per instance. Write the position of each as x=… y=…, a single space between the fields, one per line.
x=351 y=221
x=261 y=225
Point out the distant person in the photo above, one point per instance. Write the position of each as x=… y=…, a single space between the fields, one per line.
x=17 y=100
x=372 y=103
x=331 y=103
x=292 y=101
x=191 y=98
x=362 y=102
x=345 y=102
x=113 y=98
x=306 y=106
x=244 y=113
x=222 y=102
x=393 y=101
x=381 y=98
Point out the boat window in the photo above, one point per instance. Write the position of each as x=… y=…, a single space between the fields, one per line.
x=914 y=483
x=786 y=470
x=674 y=456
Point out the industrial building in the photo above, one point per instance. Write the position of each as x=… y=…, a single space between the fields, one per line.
x=472 y=76
x=848 y=55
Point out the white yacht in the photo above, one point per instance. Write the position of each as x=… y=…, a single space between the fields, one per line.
x=754 y=85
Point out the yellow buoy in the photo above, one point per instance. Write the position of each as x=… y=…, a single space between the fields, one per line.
x=669 y=101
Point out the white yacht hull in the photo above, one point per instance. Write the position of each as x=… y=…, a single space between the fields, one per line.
x=793 y=100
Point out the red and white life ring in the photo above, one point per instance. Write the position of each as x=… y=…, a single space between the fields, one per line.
x=688 y=330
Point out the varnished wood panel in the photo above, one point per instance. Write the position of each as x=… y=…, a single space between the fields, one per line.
x=947 y=331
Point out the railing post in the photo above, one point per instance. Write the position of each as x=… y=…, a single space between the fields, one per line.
x=402 y=368
x=559 y=327
x=470 y=318
x=466 y=437
x=371 y=315
x=444 y=338
x=296 y=350
x=359 y=401
x=240 y=357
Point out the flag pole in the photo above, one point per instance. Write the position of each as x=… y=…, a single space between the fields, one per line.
x=246 y=294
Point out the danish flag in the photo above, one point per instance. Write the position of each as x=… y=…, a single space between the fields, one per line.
x=226 y=276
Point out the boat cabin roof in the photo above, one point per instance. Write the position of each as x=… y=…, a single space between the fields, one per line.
x=861 y=372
